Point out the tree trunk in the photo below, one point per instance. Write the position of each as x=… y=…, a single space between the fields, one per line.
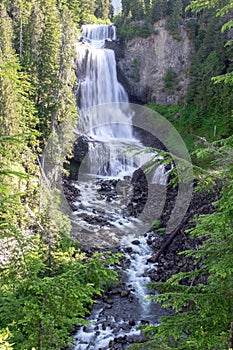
x=170 y=239
x=231 y=337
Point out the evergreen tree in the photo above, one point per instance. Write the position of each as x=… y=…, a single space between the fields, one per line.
x=101 y=10
x=17 y=119
x=9 y=105
x=137 y=9
x=159 y=9
x=174 y=19
x=75 y=9
x=48 y=67
x=125 y=8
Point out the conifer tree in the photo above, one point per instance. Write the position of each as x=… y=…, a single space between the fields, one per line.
x=9 y=104
x=17 y=114
x=48 y=67
x=159 y=9
x=175 y=9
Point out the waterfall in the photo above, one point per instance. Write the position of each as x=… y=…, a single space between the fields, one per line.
x=100 y=84
x=96 y=34
x=106 y=195
x=108 y=127
x=106 y=120
x=97 y=67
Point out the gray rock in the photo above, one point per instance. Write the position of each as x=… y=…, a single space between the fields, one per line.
x=136 y=242
x=152 y=57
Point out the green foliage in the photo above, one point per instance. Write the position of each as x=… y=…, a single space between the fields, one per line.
x=4 y=337
x=213 y=58
x=156 y=224
x=159 y=9
x=150 y=12
x=192 y=123
x=174 y=19
x=48 y=66
x=40 y=305
x=130 y=29
x=47 y=283
x=180 y=117
x=166 y=111
x=210 y=60
x=17 y=123
x=104 y=9
x=170 y=79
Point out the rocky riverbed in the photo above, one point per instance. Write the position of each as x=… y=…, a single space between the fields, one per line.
x=119 y=312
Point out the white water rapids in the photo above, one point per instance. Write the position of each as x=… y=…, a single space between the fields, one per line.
x=110 y=134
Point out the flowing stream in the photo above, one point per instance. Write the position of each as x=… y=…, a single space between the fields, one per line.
x=106 y=194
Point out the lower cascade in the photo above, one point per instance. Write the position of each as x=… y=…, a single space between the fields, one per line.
x=111 y=208
x=115 y=319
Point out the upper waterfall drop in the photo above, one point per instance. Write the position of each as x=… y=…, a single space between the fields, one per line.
x=96 y=34
x=98 y=85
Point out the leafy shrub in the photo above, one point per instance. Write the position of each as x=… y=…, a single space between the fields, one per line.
x=40 y=305
x=170 y=79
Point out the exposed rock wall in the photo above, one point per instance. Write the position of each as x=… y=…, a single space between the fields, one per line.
x=156 y=68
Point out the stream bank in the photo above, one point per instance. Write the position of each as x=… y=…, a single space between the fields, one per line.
x=119 y=313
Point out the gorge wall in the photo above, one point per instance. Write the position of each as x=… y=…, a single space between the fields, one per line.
x=155 y=68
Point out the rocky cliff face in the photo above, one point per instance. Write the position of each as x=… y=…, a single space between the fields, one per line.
x=156 y=68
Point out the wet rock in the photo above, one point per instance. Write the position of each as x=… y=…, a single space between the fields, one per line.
x=128 y=250
x=132 y=322
x=117 y=47
x=144 y=322
x=135 y=339
x=131 y=298
x=125 y=327
x=124 y=293
x=107 y=300
x=136 y=242
x=157 y=242
x=121 y=339
x=71 y=192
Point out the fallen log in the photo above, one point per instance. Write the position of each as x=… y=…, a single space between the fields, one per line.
x=170 y=239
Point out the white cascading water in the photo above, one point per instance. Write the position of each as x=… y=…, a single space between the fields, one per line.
x=100 y=66
x=109 y=135
x=99 y=85
x=96 y=34
x=111 y=124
